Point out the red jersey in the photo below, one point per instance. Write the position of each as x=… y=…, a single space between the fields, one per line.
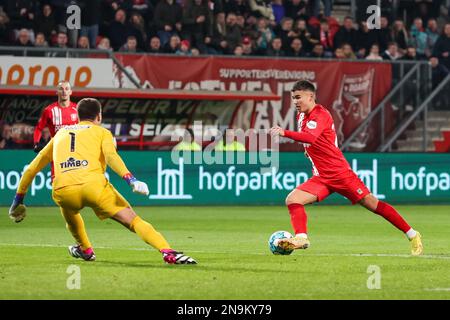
x=327 y=159
x=55 y=117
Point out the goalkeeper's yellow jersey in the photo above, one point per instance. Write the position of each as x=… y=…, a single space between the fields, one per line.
x=80 y=154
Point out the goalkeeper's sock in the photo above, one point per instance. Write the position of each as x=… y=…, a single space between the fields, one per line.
x=75 y=224
x=390 y=214
x=147 y=233
x=298 y=218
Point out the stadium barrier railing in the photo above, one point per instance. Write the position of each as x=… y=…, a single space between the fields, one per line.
x=440 y=95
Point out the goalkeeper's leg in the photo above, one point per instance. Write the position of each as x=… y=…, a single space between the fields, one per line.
x=146 y=232
x=75 y=224
x=143 y=229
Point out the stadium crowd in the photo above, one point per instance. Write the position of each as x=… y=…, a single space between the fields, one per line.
x=292 y=28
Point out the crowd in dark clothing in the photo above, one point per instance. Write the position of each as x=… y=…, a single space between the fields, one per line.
x=292 y=28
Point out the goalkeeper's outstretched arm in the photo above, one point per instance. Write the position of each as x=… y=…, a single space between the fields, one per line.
x=17 y=209
x=115 y=162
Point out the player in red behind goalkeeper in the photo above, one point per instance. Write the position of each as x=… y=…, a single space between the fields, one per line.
x=56 y=115
x=331 y=171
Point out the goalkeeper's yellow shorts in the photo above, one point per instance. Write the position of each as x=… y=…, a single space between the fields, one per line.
x=102 y=197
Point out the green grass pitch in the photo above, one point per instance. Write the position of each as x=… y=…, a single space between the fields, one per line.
x=230 y=245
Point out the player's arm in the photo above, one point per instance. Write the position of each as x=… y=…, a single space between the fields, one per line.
x=17 y=209
x=310 y=133
x=42 y=123
x=115 y=162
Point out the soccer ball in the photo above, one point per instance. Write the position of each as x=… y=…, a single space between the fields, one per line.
x=273 y=242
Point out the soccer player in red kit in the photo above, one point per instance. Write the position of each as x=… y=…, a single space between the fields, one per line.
x=331 y=171
x=56 y=115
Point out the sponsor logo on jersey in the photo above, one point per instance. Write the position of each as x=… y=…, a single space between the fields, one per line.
x=359 y=191
x=73 y=163
x=311 y=125
x=73 y=116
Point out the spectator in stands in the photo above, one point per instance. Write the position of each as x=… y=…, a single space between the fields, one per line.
x=119 y=30
x=238 y=50
x=400 y=35
x=23 y=39
x=167 y=19
x=339 y=54
x=247 y=46
x=285 y=32
x=384 y=34
x=21 y=15
x=278 y=10
x=346 y=34
x=155 y=45
x=83 y=42
x=308 y=40
x=391 y=52
x=443 y=18
x=296 y=49
x=240 y=21
x=173 y=45
x=61 y=40
x=317 y=52
x=326 y=38
x=348 y=52
x=5 y=30
x=185 y=48
x=251 y=27
x=366 y=38
x=438 y=72
x=187 y=142
x=139 y=29
x=130 y=46
x=432 y=32
x=90 y=20
x=442 y=47
x=40 y=41
x=45 y=22
x=235 y=6
x=261 y=8
x=197 y=22
x=104 y=44
x=374 y=53
x=418 y=36
x=412 y=54
x=265 y=35
x=230 y=142
x=295 y=9
x=233 y=33
x=328 y=7
x=143 y=7
x=195 y=52
x=275 y=49
x=217 y=43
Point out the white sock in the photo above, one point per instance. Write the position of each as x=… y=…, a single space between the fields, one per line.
x=411 y=233
x=302 y=235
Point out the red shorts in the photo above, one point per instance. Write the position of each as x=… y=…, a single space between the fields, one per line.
x=348 y=185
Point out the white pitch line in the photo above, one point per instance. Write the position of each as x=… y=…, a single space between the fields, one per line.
x=382 y=255
x=437 y=289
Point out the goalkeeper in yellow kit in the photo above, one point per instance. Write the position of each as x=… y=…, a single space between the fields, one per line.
x=80 y=154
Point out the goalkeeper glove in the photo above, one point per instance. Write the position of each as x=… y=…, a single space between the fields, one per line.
x=137 y=186
x=17 y=211
x=38 y=147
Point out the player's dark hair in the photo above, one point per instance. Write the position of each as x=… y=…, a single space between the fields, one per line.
x=88 y=109
x=304 y=85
